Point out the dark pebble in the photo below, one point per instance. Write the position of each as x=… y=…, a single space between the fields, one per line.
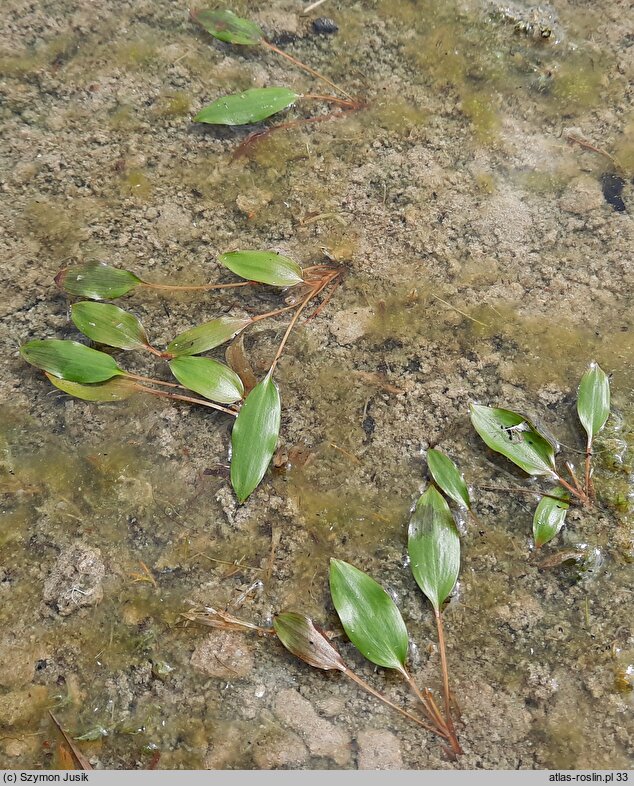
x=325 y=26
x=612 y=187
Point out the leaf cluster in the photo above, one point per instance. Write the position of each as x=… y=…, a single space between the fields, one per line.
x=529 y=446
x=94 y=375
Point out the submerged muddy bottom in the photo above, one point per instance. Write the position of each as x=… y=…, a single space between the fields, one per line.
x=481 y=205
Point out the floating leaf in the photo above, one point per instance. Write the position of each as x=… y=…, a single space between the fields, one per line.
x=96 y=281
x=206 y=336
x=369 y=616
x=226 y=26
x=108 y=324
x=448 y=477
x=550 y=516
x=266 y=267
x=299 y=635
x=593 y=400
x=211 y=379
x=251 y=106
x=116 y=389
x=254 y=437
x=510 y=434
x=70 y=360
x=434 y=547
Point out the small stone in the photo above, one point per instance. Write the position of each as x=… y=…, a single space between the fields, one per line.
x=76 y=579
x=379 y=750
x=583 y=195
x=276 y=750
x=225 y=655
x=325 y=26
x=321 y=736
x=351 y=324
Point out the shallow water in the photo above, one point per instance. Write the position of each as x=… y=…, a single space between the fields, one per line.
x=483 y=263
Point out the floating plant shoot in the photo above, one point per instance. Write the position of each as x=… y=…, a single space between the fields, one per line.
x=534 y=450
x=375 y=626
x=300 y=636
x=232 y=29
x=434 y=551
x=92 y=375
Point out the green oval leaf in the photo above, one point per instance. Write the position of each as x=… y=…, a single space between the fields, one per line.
x=211 y=379
x=226 y=26
x=593 y=400
x=447 y=476
x=265 y=267
x=434 y=547
x=96 y=281
x=300 y=636
x=116 y=389
x=207 y=336
x=70 y=360
x=550 y=516
x=510 y=434
x=254 y=437
x=108 y=324
x=369 y=616
x=251 y=106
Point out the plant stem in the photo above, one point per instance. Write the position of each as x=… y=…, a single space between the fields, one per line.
x=588 y=481
x=268 y=314
x=195 y=287
x=189 y=399
x=363 y=684
x=310 y=70
x=154 y=381
x=519 y=491
x=426 y=699
x=579 y=494
x=455 y=745
x=343 y=101
x=301 y=307
x=571 y=472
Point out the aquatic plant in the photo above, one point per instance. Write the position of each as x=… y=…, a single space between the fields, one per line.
x=94 y=375
x=530 y=447
x=260 y=103
x=372 y=620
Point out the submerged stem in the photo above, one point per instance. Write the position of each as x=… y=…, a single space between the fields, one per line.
x=310 y=70
x=431 y=710
x=301 y=307
x=588 y=480
x=195 y=287
x=455 y=745
x=189 y=399
x=363 y=684
x=579 y=494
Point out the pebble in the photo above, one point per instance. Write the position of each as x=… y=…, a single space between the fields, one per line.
x=279 y=749
x=351 y=324
x=379 y=750
x=223 y=654
x=325 y=26
x=321 y=736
